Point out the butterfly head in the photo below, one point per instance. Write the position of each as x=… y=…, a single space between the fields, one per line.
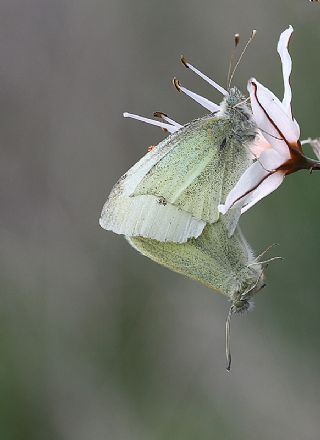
x=235 y=102
x=241 y=306
x=242 y=300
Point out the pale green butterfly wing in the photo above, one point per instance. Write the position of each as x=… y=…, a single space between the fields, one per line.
x=147 y=215
x=200 y=171
x=214 y=259
x=174 y=190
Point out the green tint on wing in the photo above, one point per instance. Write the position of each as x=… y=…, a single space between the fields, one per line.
x=213 y=258
x=147 y=215
x=200 y=171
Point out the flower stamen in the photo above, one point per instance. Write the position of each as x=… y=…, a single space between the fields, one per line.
x=203 y=76
x=167 y=127
x=211 y=106
x=165 y=117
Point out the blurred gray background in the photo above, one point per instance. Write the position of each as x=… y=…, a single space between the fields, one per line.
x=96 y=341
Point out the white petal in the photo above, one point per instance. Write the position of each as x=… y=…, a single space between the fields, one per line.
x=247 y=182
x=306 y=141
x=271 y=118
x=169 y=127
x=209 y=105
x=252 y=178
x=270 y=159
x=297 y=127
x=315 y=145
x=259 y=145
x=270 y=184
x=286 y=67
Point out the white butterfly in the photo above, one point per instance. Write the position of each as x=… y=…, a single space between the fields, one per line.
x=167 y=203
x=175 y=189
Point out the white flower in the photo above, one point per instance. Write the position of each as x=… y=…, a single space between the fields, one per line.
x=278 y=149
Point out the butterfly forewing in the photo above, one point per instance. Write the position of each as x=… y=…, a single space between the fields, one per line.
x=147 y=215
x=199 y=172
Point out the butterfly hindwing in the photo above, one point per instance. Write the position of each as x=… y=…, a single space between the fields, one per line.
x=214 y=259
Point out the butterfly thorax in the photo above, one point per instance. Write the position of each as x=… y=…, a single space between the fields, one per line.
x=235 y=108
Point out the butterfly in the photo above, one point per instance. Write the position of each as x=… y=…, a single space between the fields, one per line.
x=225 y=264
x=166 y=205
x=174 y=191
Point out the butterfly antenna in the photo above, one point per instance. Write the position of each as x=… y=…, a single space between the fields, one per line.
x=242 y=102
x=253 y=34
x=236 y=42
x=228 y=347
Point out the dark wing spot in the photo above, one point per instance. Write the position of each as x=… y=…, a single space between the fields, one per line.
x=162 y=201
x=223 y=144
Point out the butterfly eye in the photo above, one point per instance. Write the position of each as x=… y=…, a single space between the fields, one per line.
x=241 y=306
